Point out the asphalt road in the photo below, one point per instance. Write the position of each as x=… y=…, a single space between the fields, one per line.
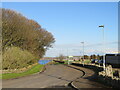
x=53 y=76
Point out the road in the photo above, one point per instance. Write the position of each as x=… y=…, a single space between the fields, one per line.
x=54 y=75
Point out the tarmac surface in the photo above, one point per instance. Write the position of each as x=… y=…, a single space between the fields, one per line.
x=57 y=76
x=53 y=76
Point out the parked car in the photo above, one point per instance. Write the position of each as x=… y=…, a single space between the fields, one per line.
x=96 y=61
x=93 y=61
x=100 y=62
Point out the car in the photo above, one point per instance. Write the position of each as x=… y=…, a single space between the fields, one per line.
x=96 y=61
x=100 y=62
x=93 y=61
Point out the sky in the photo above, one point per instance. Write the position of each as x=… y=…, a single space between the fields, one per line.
x=60 y=0
x=74 y=22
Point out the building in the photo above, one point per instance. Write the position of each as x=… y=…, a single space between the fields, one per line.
x=113 y=59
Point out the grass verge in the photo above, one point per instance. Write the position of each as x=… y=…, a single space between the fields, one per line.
x=32 y=70
x=87 y=61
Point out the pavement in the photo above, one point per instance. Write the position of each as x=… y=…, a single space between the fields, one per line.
x=88 y=80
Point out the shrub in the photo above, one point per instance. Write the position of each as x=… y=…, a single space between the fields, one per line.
x=15 y=58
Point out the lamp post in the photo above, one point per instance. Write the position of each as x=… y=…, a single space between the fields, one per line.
x=103 y=47
x=83 y=53
x=67 y=56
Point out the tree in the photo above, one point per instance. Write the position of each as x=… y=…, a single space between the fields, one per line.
x=25 y=33
x=61 y=57
x=86 y=57
x=98 y=57
x=93 y=56
x=24 y=41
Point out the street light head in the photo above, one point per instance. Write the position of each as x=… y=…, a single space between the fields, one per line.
x=82 y=42
x=101 y=26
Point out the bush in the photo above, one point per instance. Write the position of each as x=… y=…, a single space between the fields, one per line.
x=15 y=58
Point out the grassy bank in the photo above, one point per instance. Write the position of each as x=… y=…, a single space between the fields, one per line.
x=32 y=70
x=16 y=58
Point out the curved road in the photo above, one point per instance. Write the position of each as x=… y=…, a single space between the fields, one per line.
x=54 y=75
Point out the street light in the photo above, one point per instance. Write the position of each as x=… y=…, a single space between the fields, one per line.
x=67 y=57
x=83 y=53
x=103 y=47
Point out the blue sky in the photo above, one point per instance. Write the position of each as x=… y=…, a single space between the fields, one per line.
x=72 y=23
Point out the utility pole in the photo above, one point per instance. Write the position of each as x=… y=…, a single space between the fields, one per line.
x=103 y=47
x=83 y=53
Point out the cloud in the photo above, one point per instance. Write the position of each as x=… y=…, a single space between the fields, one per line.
x=77 y=49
